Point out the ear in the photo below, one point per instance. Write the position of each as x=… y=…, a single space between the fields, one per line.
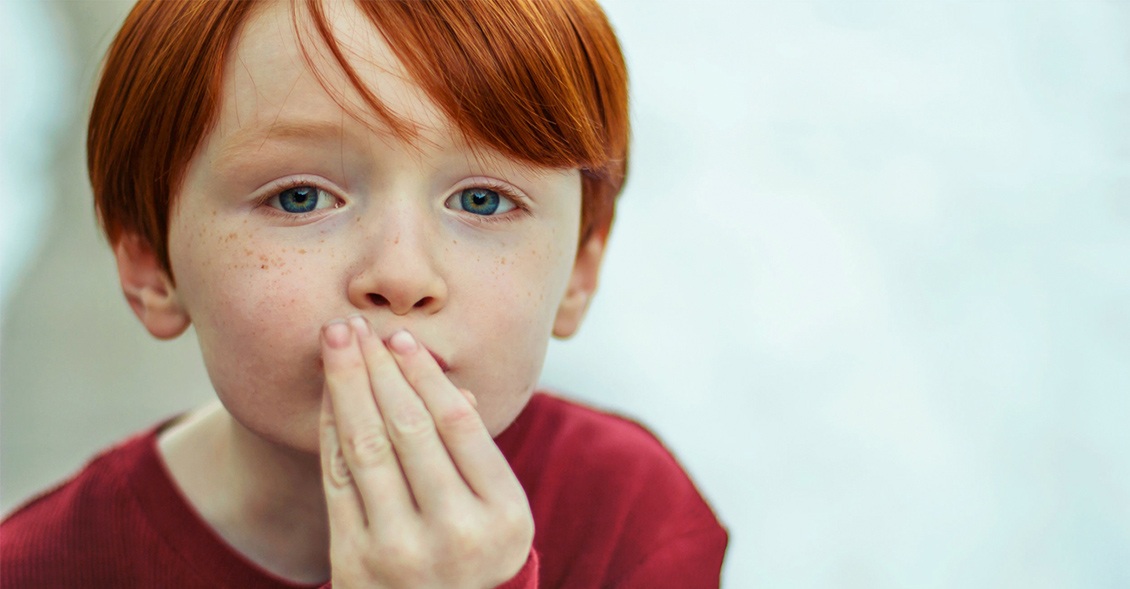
x=582 y=285
x=149 y=289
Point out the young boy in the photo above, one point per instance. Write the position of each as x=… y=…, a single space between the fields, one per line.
x=374 y=214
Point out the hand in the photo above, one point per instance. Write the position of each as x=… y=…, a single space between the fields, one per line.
x=418 y=494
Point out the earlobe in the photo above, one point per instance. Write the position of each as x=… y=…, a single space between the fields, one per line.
x=582 y=285
x=149 y=289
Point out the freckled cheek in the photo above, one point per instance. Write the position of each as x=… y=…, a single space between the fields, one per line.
x=522 y=289
x=257 y=310
x=243 y=284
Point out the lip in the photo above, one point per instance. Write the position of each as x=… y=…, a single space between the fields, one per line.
x=439 y=360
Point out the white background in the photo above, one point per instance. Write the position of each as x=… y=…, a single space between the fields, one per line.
x=870 y=280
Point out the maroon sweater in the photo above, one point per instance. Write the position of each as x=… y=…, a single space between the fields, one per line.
x=611 y=508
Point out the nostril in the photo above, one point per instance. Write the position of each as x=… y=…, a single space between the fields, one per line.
x=378 y=300
x=423 y=302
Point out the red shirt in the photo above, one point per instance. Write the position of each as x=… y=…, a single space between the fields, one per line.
x=611 y=506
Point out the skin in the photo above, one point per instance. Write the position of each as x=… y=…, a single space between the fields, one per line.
x=331 y=445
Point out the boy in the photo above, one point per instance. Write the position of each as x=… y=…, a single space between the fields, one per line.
x=374 y=214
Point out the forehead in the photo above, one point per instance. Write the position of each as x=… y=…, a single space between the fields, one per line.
x=284 y=92
x=282 y=79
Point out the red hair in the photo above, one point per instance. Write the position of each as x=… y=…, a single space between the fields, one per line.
x=541 y=81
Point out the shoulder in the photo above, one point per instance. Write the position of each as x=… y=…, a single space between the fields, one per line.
x=582 y=440
x=585 y=438
x=66 y=528
x=608 y=485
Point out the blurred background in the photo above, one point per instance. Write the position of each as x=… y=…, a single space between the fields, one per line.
x=870 y=281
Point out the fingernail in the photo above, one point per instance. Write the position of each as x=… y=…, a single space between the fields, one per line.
x=336 y=333
x=402 y=342
x=360 y=324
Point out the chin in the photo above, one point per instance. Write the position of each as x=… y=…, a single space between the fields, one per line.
x=497 y=414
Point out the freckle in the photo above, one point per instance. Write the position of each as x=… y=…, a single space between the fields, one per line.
x=231 y=236
x=264 y=267
x=249 y=252
x=301 y=251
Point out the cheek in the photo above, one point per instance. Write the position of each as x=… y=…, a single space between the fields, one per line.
x=510 y=298
x=510 y=316
x=250 y=302
x=521 y=286
x=242 y=279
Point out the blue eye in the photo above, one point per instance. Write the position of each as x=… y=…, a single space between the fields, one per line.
x=302 y=199
x=480 y=201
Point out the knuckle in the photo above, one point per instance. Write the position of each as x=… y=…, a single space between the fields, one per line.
x=462 y=541
x=460 y=418
x=463 y=536
x=411 y=560
x=410 y=423
x=338 y=469
x=369 y=446
x=517 y=520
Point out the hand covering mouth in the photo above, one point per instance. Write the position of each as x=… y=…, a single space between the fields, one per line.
x=439 y=359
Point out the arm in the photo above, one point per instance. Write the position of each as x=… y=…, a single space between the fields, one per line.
x=417 y=492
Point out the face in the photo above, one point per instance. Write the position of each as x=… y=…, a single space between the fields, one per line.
x=295 y=212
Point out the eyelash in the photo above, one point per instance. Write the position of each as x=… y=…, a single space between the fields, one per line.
x=278 y=189
x=520 y=205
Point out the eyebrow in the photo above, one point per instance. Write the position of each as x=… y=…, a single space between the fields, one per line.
x=250 y=139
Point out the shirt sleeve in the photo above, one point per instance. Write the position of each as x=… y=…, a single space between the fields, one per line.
x=527 y=577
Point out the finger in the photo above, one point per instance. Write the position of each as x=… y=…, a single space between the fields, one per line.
x=470 y=397
x=346 y=511
x=473 y=451
x=360 y=429
x=434 y=481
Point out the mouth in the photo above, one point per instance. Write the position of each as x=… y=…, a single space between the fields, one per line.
x=439 y=359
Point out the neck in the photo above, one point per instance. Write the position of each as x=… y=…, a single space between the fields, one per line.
x=265 y=500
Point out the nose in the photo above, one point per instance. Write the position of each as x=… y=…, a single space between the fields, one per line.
x=399 y=269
